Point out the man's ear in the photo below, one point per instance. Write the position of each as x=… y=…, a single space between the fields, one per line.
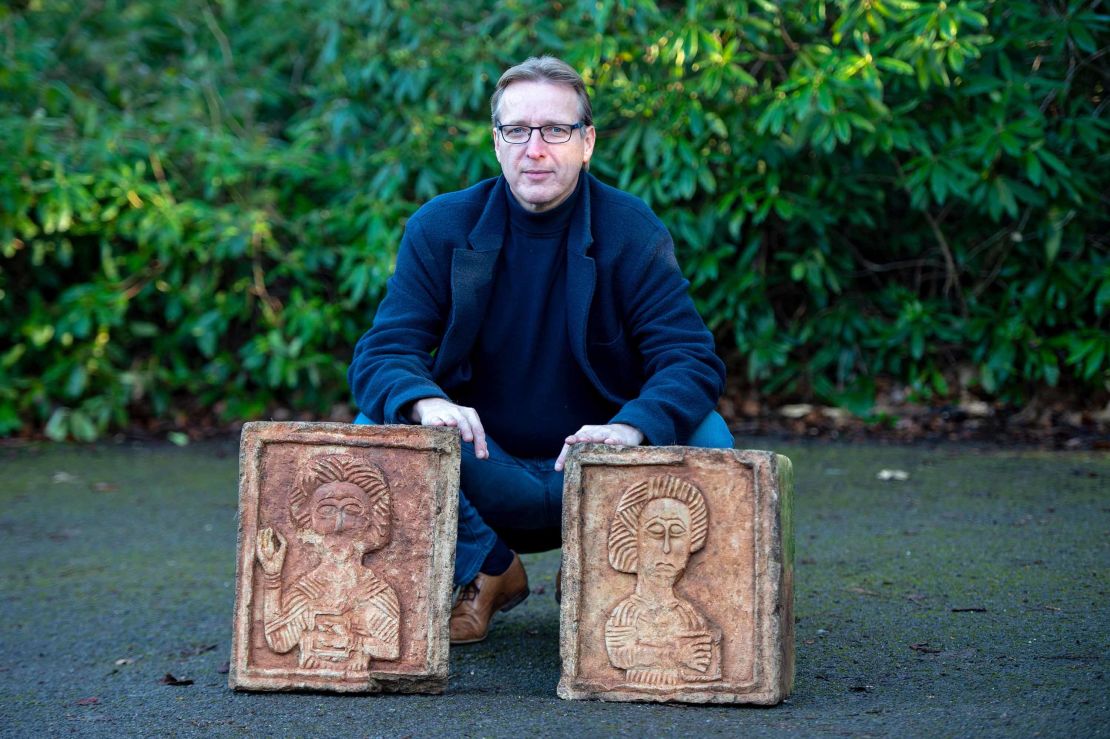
x=588 y=139
x=496 y=145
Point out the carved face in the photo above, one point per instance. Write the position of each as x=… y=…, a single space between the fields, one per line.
x=340 y=509
x=663 y=538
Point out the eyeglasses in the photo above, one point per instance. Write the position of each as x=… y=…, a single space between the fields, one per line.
x=554 y=133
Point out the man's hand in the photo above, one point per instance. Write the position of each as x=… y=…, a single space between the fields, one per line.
x=613 y=433
x=440 y=412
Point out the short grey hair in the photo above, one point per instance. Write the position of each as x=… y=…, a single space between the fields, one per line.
x=544 y=69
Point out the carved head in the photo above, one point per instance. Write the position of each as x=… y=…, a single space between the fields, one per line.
x=658 y=524
x=341 y=497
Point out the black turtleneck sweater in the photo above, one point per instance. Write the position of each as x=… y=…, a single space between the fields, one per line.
x=525 y=384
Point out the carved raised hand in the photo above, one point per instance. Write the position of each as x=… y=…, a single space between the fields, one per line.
x=270 y=549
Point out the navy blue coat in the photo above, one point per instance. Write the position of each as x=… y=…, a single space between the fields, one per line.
x=633 y=328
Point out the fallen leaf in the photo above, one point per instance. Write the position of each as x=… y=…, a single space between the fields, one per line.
x=125 y=660
x=88 y=701
x=916 y=597
x=925 y=648
x=104 y=487
x=195 y=650
x=862 y=688
x=899 y=475
x=973 y=609
x=62 y=476
x=171 y=680
x=800 y=410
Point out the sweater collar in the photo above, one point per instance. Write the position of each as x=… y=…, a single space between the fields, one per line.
x=545 y=223
x=488 y=233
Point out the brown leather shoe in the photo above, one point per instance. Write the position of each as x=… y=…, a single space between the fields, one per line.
x=482 y=596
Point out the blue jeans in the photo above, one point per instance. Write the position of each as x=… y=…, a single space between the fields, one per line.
x=521 y=500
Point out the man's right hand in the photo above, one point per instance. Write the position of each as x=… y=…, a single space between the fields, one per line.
x=440 y=412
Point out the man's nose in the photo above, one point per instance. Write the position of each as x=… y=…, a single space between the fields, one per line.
x=666 y=542
x=339 y=522
x=536 y=146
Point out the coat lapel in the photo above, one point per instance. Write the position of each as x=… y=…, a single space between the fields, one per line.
x=581 y=281
x=472 y=270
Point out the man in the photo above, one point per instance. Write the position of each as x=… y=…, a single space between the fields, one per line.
x=534 y=311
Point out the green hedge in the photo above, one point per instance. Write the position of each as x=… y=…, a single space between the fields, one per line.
x=200 y=202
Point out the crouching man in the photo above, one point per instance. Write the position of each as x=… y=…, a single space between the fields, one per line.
x=533 y=311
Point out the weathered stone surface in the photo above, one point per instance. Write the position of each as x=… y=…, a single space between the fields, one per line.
x=345 y=557
x=677 y=575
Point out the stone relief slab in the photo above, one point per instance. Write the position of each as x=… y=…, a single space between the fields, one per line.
x=345 y=557
x=677 y=575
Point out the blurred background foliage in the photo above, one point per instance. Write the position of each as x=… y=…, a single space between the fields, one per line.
x=200 y=202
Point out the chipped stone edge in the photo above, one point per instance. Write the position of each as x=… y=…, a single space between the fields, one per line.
x=447 y=444
x=773 y=474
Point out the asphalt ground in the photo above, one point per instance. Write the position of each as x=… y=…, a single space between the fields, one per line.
x=967 y=600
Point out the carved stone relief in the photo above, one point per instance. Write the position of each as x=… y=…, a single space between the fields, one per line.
x=655 y=635
x=677 y=575
x=345 y=557
x=340 y=614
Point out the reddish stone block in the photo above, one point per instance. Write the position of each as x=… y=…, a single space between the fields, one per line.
x=677 y=575
x=345 y=557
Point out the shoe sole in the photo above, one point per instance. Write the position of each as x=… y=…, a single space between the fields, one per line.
x=515 y=601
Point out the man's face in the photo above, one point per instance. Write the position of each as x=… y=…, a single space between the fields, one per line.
x=541 y=175
x=664 y=539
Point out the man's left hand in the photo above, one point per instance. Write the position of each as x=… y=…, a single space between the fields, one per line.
x=613 y=433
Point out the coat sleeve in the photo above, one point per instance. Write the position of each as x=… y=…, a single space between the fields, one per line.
x=392 y=364
x=683 y=375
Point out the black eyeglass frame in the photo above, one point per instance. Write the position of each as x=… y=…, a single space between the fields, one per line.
x=572 y=126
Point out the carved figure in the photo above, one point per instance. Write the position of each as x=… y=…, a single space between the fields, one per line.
x=655 y=635
x=340 y=613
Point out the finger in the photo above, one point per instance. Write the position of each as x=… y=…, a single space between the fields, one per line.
x=562 y=458
x=464 y=428
x=481 y=451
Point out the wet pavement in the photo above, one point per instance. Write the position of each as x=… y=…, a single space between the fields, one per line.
x=968 y=599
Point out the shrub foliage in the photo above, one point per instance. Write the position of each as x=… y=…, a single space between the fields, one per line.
x=201 y=200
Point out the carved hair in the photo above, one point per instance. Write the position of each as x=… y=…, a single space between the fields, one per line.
x=344 y=468
x=623 y=550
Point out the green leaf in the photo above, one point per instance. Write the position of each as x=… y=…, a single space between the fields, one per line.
x=57 y=428
x=82 y=427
